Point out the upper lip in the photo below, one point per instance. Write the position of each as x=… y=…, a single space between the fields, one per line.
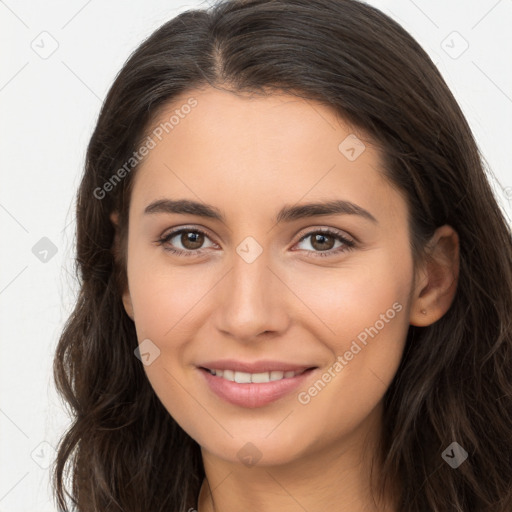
x=254 y=367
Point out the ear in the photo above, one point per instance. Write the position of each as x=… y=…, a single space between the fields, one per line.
x=126 y=297
x=436 y=279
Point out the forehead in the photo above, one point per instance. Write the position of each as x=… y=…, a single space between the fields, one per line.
x=253 y=149
x=252 y=123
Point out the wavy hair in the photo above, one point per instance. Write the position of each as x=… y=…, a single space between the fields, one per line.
x=123 y=450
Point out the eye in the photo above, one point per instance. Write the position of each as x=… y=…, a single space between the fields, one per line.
x=323 y=241
x=190 y=239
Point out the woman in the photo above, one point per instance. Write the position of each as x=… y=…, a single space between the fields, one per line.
x=296 y=285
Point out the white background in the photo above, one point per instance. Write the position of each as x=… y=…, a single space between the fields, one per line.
x=48 y=110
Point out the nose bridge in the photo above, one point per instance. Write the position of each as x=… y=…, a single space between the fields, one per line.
x=250 y=303
x=250 y=276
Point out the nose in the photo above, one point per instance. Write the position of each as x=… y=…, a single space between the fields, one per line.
x=252 y=300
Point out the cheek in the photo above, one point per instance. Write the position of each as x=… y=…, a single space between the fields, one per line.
x=371 y=291
x=366 y=308
x=165 y=297
x=166 y=302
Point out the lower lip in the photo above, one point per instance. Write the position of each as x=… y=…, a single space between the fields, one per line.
x=253 y=395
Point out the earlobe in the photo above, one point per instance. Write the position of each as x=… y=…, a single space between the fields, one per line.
x=128 y=306
x=437 y=278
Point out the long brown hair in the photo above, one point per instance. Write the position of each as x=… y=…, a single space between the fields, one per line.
x=123 y=450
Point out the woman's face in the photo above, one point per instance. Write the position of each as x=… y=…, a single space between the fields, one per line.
x=256 y=286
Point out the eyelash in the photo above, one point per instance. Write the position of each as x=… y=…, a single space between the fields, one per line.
x=347 y=244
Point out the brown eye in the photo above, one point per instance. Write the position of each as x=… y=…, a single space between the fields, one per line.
x=322 y=241
x=192 y=239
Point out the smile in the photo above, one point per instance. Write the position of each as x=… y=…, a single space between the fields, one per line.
x=257 y=388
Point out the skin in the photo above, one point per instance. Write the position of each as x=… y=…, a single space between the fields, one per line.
x=249 y=156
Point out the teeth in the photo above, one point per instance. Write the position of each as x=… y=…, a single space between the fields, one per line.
x=276 y=375
x=242 y=377
x=258 y=378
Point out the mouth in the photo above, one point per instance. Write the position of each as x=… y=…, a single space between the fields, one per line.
x=251 y=389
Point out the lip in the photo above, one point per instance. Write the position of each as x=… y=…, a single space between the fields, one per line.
x=254 y=367
x=254 y=395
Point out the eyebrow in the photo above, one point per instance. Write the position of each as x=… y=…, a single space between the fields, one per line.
x=286 y=214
